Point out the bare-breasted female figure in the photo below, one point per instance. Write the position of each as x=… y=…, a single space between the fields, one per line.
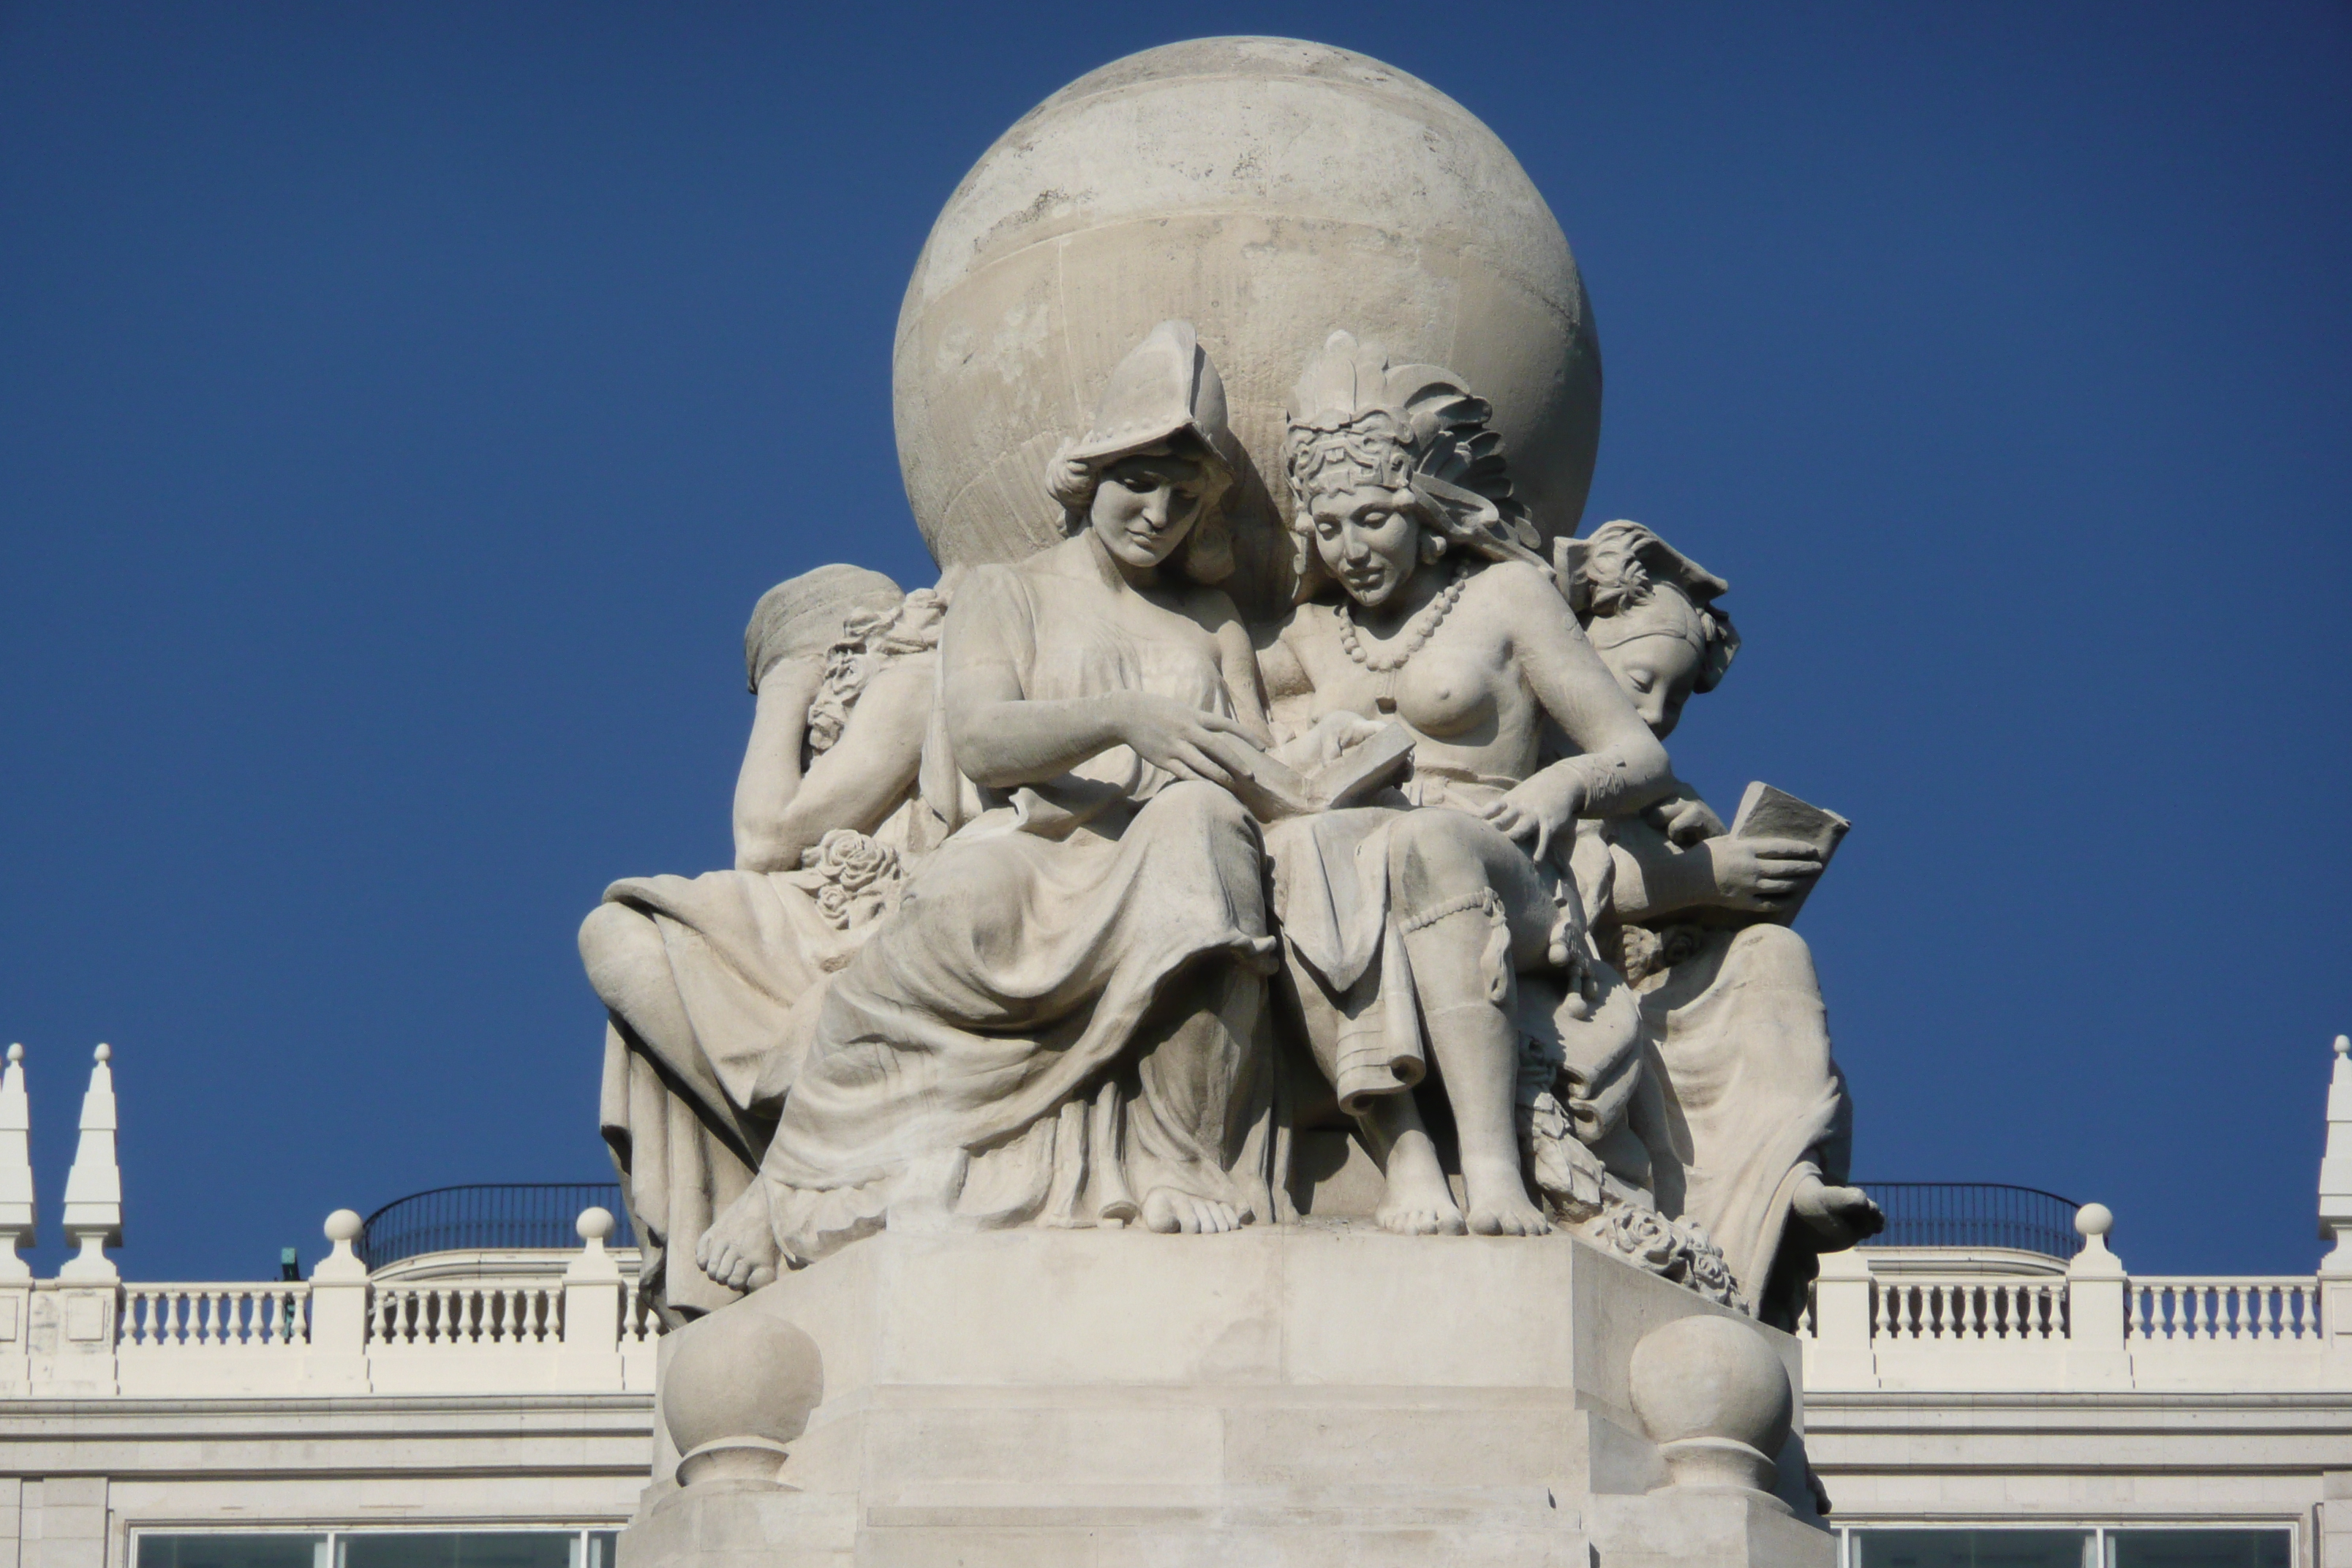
x=1447 y=621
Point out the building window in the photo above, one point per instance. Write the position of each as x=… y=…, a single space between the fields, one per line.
x=285 y=1551
x=2090 y=1546
x=2199 y=1547
x=1969 y=1549
x=403 y=1548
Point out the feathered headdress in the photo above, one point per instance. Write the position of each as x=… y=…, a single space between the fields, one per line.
x=1610 y=577
x=1355 y=420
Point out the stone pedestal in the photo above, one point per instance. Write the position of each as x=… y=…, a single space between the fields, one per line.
x=1320 y=1394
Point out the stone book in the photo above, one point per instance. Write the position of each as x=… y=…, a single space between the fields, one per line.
x=1768 y=813
x=1273 y=789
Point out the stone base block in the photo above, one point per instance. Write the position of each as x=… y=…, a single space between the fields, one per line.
x=1308 y=1395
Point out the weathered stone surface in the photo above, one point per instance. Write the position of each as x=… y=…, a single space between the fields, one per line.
x=1301 y=1394
x=1268 y=190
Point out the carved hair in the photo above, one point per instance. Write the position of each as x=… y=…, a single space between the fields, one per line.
x=1356 y=421
x=869 y=640
x=1624 y=581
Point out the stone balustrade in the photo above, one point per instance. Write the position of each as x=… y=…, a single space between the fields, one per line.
x=1877 y=1321
x=583 y=1331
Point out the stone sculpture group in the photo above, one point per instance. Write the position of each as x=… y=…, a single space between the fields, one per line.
x=1066 y=895
x=1260 y=840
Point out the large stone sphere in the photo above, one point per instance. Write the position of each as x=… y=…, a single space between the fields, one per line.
x=1269 y=191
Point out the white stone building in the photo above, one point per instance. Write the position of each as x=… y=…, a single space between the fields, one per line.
x=482 y=1396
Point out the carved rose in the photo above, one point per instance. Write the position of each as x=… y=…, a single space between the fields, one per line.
x=852 y=859
x=1710 y=1276
x=1672 y=1249
x=1642 y=1235
x=853 y=878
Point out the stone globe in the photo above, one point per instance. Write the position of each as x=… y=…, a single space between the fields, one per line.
x=1269 y=191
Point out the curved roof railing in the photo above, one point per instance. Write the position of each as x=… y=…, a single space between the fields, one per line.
x=1975 y=1214
x=489 y=1217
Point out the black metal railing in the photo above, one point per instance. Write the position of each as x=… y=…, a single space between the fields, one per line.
x=494 y=1216
x=1975 y=1214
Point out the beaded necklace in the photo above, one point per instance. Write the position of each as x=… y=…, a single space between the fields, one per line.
x=1423 y=628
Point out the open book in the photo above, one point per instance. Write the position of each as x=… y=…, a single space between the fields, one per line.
x=1273 y=789
x=1768 y=813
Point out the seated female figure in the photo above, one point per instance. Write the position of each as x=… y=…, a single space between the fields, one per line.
x=1755 y=1141
x=1448 y=622
x=701 y=976
x=1056 y=1025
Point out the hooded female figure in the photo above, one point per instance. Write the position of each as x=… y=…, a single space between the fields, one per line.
x=1754 y=1140
x=1460 y=917
x=1056 y=1025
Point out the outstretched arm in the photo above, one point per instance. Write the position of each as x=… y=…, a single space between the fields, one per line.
x=1755 y=875
x=1620 y=766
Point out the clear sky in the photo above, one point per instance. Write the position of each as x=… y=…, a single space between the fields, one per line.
x=401 y=407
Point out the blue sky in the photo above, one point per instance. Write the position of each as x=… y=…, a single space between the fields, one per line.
x=401 y=407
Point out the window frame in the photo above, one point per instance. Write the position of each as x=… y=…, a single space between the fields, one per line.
x=331 y=1537
x=2101 y=1531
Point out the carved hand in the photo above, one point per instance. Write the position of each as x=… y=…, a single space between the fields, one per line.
x=1759 y=874
x=1325 y=740
x=1539 y=809
x=1183 y=739
x=1684 y=819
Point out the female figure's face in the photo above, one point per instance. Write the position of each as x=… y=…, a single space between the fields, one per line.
x=1368 y=538
x=1145 y=506
x=1657 y=672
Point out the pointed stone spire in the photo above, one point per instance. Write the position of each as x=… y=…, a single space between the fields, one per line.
x=19 y=1226
x=94 y=1185
x=2335 y=1166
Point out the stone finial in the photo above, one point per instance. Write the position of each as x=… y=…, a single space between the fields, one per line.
x=19 y=1224
x=2335 y=1165
x=94 y=1185
x=737 y=1389
x=1716 y=1399
x=2092 y=1223
x=343 y=1227
x=594 y=1264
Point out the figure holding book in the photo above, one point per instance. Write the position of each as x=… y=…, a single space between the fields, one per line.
x=1453 y=906
x=1057 y=1024
x=1756 y=1141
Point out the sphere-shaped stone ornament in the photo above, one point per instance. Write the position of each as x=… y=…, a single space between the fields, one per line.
x=1268 y=190
x=1715 y=1400
x=739 y=1385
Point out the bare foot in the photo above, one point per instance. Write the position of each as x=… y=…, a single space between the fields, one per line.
x=1499 y=1202
x=1418 y=1201
x=739 y=1249
x=1838 y=1215
x=1170 y=1210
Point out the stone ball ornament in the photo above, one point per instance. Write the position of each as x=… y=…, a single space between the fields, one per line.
x=1715 y=1400
x=1265 y=190
x=738 y=1387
